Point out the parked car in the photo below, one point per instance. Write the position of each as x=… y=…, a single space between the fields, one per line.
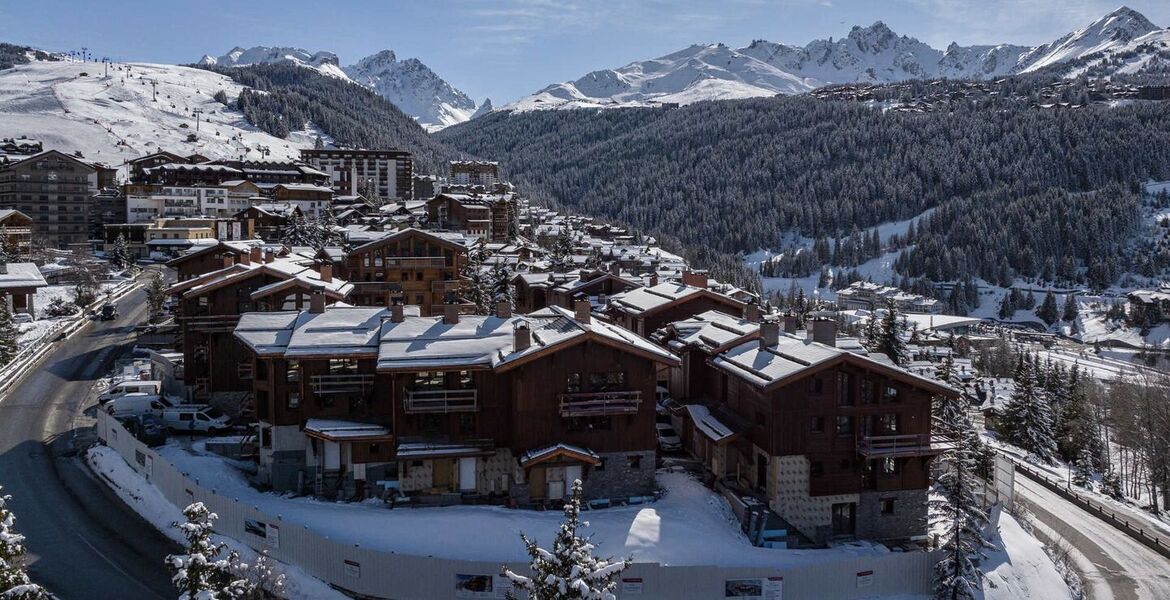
x=130 y=386
x=148 y=429
x=137 y=403
x=109 y=312
x=668 y=439
x=204 y=419
x=21 y=318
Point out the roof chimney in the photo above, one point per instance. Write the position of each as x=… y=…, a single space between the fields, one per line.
x=317 y=300
x=654 y=279
x=695 y=279
x=751 y=312
x=450 y=314
x=789 y=323
x=269 y=255
x=228 y=260
x=256 y=254
x=615 y=268
x=390 y=299
x=327 y=272
x=504 y=309
x=521 y=336
x=824 y=331
x=245 y=258
x=769 y=333
x=583 y=308
x=397 y=312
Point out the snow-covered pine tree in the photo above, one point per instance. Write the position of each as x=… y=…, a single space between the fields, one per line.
x=264 y=579
x=949 y=413
x=299 y=231
x=569 y=571
x=120 y=253
x=9 y=333
x=200 y=573
x=960 y=516
x=889 y=340
x=479 y=287
x=1071 y=310
x=1027 y=416
x=562 y=250
x=1047 y=311
x=156 y=293
x=14 y=582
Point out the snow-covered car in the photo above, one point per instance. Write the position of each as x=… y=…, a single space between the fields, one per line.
x=668 y=439
x=21 y=318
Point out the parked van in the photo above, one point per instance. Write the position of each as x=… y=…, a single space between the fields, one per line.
x=137 y=403
x=130 y=386
x=196 y=418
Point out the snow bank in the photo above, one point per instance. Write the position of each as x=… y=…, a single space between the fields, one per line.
x=1019 y=567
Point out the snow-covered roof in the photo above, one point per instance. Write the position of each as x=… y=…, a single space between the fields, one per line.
x=707 y=423
x=290 y=267
x=21 y=275
x=647 y=299
x=340 y=332
x=541 y=454
x=708 y=330
x=420 y=450
x=266 y=333
x=338 y=430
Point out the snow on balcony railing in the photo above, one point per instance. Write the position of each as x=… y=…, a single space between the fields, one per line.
x=441 y=401
x=590 y=404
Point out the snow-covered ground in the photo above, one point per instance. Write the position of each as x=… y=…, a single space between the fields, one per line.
x=1018 y=568
x=147 y=501
x=74 y=106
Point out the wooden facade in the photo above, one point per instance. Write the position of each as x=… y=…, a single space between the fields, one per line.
x=411 y=266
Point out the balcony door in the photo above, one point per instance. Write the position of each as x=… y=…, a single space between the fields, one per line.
x=844 y=519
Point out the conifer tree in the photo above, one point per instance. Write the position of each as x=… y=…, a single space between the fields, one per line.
x=479 y=287
x=889 y=340
x=200 y=573
x=961 y=518
x=120 y=253
x=1027 y=416
x=156 y=293
x=569 y=571
x=1071 y=310
x=949 y=412
x=9 y=333
x=14 y=581
x=501 y=282
x=1048 y=311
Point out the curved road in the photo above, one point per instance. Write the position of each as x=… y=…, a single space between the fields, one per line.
x=1112 y=564
x=84 y=543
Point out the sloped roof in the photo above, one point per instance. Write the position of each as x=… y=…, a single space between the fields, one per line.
x=708 y=330
x=22 y=275
x=646 y=300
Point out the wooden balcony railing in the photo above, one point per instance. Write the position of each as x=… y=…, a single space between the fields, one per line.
x=911 y=444
x=209 y=322
x=347 y=383
x=441 y=401
x=592 y=404
x=442 y=287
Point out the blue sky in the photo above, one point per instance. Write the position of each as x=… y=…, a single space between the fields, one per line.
x=507 y=49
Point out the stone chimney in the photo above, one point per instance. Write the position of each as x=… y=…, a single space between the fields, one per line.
x=751 y=313
x=327 y=272
x=269 y=255
x=504 y=309
x=582 y=309
x=824 y=331
x=228 y=260
x=769 y=333
x=317 y=300
x=789 y=323
x=245 y=258
x=256 y=254
x=450 y=314
x=397 y=312
x=521 y=336
x=695 y=279
x=654 y=279
x=615 y=268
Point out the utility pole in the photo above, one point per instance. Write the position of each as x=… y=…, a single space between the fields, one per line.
x=197 y=112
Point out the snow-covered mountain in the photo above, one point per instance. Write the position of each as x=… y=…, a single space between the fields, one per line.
x=136 y=110
x=409 y=84
x=414 y=88
x=866 y=54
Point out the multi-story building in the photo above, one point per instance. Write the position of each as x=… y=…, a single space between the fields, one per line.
x=16 y=233
x=54 y=189
x=838 y=443
x=313 y=200
x=415 y=266
x=452 y=407
x=387 y=172
x=489 y=215
x=475 y=172
x=865 y=295
x=644 y=310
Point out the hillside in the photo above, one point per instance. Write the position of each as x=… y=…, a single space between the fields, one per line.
x=739 y=176
x=74 y=106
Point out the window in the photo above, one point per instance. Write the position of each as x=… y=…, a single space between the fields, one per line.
x=844 y=425
x=573 y=383
x=293 y=374
x=817 y=424
x=607 y=382
x=600 y=423
x=887 y=506
x=342 y=366
x=889 y=423
x=375 y=449
x=868 y=391
x=466 y=424
x=844 y=389
x=816 y=468
x=635 y=461
x=429 y=380
x=890 y=395
x=889 y=466
x=816 y=386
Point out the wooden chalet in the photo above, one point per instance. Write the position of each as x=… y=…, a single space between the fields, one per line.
x=647 y=309
x=412 y=266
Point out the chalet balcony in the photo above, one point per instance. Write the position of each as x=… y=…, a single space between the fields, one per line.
x=369 y=287
x=410 y=262
x=912 y=444
x=344 y=383
x=441 y=401
x=593 y=404
x=442 y=287
x=210 y=322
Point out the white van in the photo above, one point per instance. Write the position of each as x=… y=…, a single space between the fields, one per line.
x=130 y=386
x=137 y=403
x=196 y=418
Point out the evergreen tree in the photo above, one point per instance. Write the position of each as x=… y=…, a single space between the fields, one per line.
x=570 y=570
x=961 y=518
x=318 y=143
x=119 y=255
x=200 y=573
x=501 y=282
x=949 y=412
x=1048 y=311
x=562 y=249
x=156 y=293
x=1071 y=310
x=1007 y=307
x=478 y=288
x=14 y=582
x=9 y=333
x=1027 y=416
x=889 y=340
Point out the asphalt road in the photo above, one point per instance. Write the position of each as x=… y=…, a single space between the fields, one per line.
x=1113 y=565
x=84 y=543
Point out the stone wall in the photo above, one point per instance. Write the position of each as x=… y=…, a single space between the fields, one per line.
x=907 y=520
x=811 y=515
x=413 y=478
x=618 y=479
x=495 y=473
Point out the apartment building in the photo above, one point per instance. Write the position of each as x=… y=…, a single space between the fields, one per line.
x=389 y=172
x=475 y=172
x=418 y=267
x=56 y=191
